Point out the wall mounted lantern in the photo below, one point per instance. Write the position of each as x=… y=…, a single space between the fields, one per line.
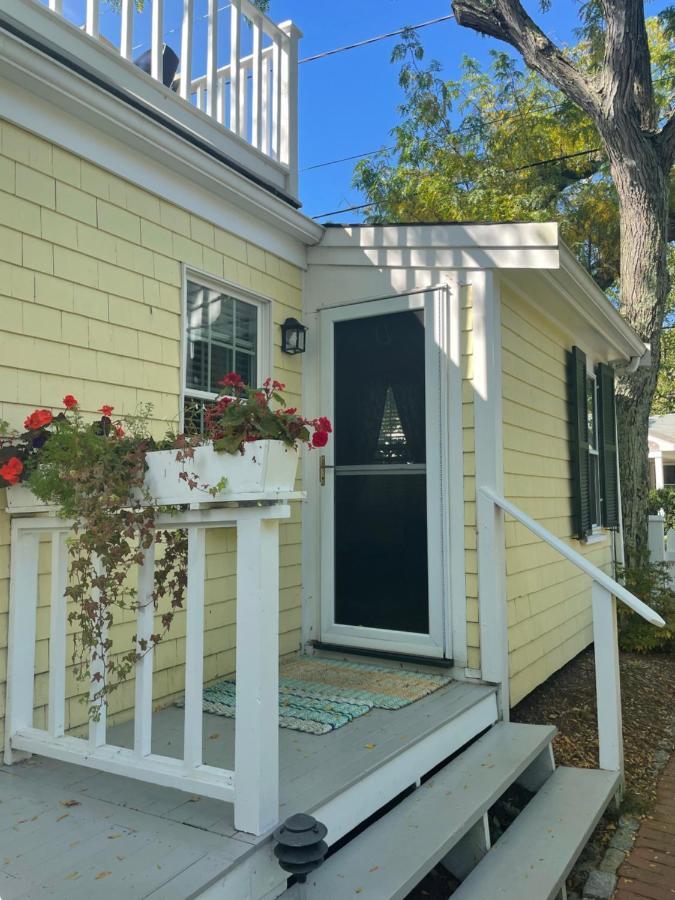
x=293 y=336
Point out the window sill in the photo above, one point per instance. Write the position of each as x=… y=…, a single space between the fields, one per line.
x=597 y=537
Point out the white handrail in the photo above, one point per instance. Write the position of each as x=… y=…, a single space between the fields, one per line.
x=600 y=577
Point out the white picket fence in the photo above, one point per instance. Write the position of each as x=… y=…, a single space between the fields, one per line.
x=253 y=785
x=254 y=96
x=662 y=545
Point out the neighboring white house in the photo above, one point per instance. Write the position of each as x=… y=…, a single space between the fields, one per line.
x=662 y=451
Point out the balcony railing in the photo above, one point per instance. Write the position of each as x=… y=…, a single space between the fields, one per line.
x=234 y=64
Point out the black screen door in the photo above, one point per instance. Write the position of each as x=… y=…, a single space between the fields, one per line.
x=380 y=478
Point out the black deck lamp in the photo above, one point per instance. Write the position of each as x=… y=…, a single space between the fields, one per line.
x=293 y=336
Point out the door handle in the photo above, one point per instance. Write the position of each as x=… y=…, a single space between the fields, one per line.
x=322 y=470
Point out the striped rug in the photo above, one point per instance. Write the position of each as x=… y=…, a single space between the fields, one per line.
x=318 y=695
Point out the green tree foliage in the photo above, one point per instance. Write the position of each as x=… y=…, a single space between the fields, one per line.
x=471 y=149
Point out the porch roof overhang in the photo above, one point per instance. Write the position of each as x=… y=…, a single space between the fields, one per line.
x=532 y=257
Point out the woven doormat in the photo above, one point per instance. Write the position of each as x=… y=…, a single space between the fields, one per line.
x=319 y=695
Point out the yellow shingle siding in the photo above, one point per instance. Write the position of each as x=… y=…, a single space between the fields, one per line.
x=90 y=304
x=549 y=607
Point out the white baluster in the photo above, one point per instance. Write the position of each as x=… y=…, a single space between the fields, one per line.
x=186 y=51
x=256 y=753
x=243 y=101
x=92 y=18
x=157 y=62
x=23 y=597
x=144 y=628
x=98 y=727
x=222 y=88
x=276 y=98
x=235 y=74
x=200 y=96
x=265 y=111
x=56 y=6
x=57 y=636
x=127 y=32
x=194 y=647
x=212 y=60
x=607 y=678
x=288 y=145
x=257 y=84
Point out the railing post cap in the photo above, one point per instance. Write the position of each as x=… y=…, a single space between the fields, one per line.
x=291 y=29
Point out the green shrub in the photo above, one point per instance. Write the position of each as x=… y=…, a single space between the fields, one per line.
x=651 y=583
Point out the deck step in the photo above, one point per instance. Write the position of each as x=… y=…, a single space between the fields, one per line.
x=536 y=853
x=389 y=858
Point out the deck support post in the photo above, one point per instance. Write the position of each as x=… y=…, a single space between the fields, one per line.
x=23 y=598
x=256 y=756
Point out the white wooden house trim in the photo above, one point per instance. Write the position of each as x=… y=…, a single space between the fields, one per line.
x=489 y=457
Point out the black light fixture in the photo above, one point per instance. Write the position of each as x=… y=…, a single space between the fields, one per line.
x=293 y=336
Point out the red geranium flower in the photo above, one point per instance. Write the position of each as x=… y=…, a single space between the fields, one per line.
x=119 y=431
x=12 y=469
x=323 y=424
x=232 y=379
x=106 y=410
x=291 y=411
x=69 y=401
x=319 y=439
x=38 y=419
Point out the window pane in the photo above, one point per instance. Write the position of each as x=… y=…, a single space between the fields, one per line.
x=222 y=336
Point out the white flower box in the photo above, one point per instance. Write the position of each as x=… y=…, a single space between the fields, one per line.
x=266 y=467
x=20 y=499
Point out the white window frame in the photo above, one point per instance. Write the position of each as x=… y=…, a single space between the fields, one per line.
x=597 y=529
x=264 y=350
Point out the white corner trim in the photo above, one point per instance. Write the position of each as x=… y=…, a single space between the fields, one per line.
x=487 y=388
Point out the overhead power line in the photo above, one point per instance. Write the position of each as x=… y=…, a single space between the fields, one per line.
x=377 y=37
x=540 y=162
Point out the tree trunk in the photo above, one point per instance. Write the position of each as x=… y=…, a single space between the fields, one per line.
x=642 y=186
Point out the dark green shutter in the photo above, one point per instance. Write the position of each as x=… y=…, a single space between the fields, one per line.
x=581 y=487
x=609 y=479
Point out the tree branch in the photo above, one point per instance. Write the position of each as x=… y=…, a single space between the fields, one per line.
x=666 y=143
x=627 y=89
x=508 y=21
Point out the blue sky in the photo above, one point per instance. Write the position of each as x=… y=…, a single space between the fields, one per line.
x=348 y=102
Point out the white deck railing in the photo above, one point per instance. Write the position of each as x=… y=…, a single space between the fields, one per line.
x=253 y=785
x=253 y=95
x=604 y=594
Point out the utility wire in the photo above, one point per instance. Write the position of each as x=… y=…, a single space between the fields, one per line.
x=378 y=37
x=540 y=162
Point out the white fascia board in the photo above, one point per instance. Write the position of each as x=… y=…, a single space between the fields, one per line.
x=517 y=246
x=57 y=104
x=498 y=235
x=579 y=289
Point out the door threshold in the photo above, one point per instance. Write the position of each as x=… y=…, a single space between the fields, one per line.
x=385 y=654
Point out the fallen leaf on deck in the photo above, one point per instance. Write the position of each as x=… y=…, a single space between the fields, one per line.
x=69 y=802
x=215 y=736
x=370 y=746
x=102 y=875
x=71 y=875
x=64 y=816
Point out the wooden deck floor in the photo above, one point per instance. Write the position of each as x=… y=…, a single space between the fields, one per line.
x=71 y=832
